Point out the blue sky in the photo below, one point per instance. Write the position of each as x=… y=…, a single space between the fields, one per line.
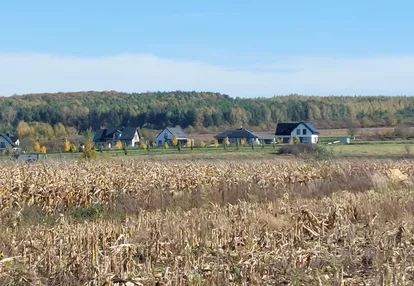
x=243 y=48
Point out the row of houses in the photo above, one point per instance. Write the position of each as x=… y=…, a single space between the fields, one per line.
x=130 y=137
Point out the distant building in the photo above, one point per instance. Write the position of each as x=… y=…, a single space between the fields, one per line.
x=108 y=137
x=167 y=135
x=8 y=142
x=242 y=133
x=303 y=130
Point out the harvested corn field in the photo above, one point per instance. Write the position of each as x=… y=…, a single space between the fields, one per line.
x=264 y=222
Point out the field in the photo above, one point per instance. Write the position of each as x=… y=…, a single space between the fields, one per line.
x=239 y=221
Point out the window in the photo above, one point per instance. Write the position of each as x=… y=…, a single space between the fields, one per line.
x=2 y=145
x=305 y=131
x=297 y=131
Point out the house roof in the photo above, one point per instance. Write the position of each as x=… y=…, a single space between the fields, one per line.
x=123 y=133
x=237 y=133
x=175 y=131
x=266 y=136
x=286 y=128
x=7 y=138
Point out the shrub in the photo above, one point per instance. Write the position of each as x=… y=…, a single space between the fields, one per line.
x=174 y=141
x=118 y=145
x=296 y=140
x=202 y=144
x=43 y=149
x=36 y=146
x=89 y=152
x=166 y=145
x=299 y=150
x=67 y=146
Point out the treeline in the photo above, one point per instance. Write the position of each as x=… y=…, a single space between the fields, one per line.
x=199 y=110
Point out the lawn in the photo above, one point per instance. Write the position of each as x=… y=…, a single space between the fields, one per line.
x=373 y=149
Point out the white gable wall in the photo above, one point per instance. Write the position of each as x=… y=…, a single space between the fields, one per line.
x=302 y=131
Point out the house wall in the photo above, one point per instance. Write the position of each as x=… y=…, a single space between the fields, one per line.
x=162 y=137
x=4 y=144
x=304 y=138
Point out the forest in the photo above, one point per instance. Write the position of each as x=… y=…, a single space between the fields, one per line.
x=197 y=111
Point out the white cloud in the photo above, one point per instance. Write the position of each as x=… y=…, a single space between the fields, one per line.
x=33 y=73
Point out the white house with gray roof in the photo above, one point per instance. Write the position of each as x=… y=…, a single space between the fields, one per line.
x=167 y=135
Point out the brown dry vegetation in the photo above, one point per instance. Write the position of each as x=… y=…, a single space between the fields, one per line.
x=252 y=222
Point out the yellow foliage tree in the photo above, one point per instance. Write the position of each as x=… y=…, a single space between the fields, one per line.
x=66 y=145
x=216 y=144
x=36 y=147
x=226 y=141
x=89 y=152
x=188 y=143
x=23 y=129
x=202 y=144
x=43 y=149
x=242 y=142
x=118 y=145
x=174 y=141
x=143 y=146
x=166 y=145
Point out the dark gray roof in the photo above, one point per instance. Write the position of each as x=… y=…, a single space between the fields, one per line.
x=286 y=128
x=7 y=138
x=237 y=133
x=177 y=132
x=123 y=133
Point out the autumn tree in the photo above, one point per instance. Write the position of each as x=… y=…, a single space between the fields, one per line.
x=59 y=130
x=216 y=144
x=188 y=143
x=43 y=149
x=36 y=146
x=202 y=144
x=66 y=145
x=174 y=141
x=118 y=145
x=226 y=142
x=89 y=152
x=23 y=129
x=166 y=145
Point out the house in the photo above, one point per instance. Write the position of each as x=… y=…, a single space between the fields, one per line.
x=108 y=137
x=7 y=143
x=242 y=133
x=267 y=138
x=236 y=135
x=303 y=130
x=167 y=135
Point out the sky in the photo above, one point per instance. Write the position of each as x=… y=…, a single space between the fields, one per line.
x=242 y=48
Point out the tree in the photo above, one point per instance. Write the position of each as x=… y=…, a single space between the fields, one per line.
x=23 y=129
x=66 y=145
x=188 y=143
x=73 y=148
x=89 y=152
x=43 y=149
x=36 y=146
x=226 y=142
x=296 y=140
x=174 y=141
x=59 y=130
x=216 y=144
x=242 y=142
x=202 y=144
x=352 y=127
x=166 y=145
x=118 y=145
